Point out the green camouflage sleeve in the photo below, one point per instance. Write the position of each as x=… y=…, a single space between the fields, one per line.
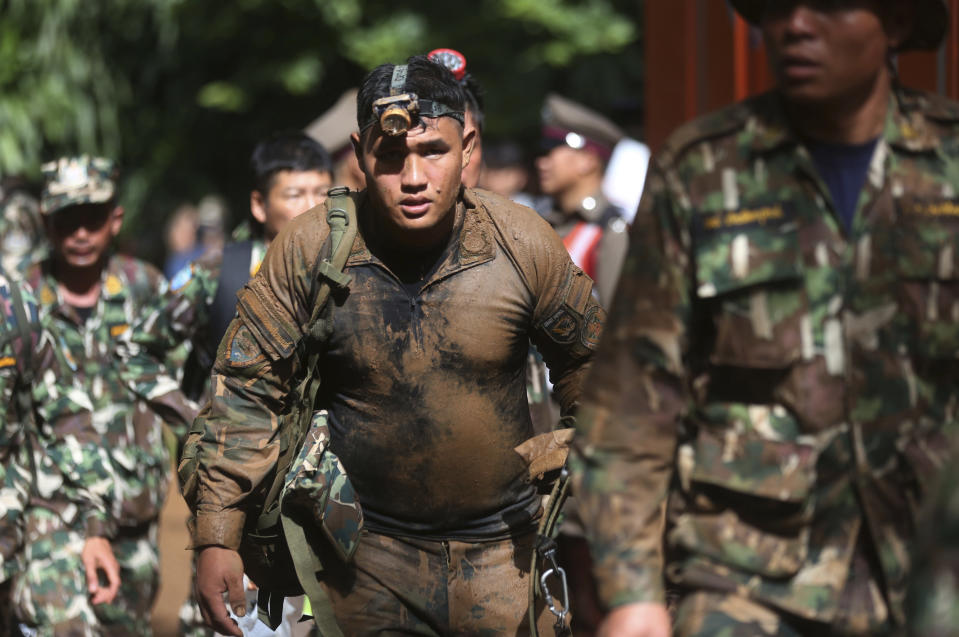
x=179 y=317
x=632 y=402
x=233 y=440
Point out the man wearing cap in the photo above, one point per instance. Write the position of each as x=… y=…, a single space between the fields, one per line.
x=423 y=379
x=779 y=376
x=578 y=143
x=90 y=297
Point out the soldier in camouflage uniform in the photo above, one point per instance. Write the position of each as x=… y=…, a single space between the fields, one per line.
x=423 y=377
x=50 y=456
x=780 y=374
x=91 y=297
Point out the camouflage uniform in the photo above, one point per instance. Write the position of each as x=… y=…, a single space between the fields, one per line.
x=785 y=385
x=128 y=429
x=73 y=474
x=429 y=383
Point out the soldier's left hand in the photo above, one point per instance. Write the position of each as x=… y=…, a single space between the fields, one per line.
x=98 y=556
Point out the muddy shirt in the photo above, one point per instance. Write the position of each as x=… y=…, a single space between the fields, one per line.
x=788 y=385
x=427 y=391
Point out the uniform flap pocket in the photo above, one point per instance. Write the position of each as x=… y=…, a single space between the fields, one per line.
x=725 y=538
x=747 y=247
x=317 y=487
x=750 y=465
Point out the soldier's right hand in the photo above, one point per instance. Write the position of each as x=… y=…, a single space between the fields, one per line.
x=647 y=619
x=220 y=570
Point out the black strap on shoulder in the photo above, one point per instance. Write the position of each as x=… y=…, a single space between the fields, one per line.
x=234 y=274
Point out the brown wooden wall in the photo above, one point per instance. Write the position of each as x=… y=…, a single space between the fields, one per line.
x=700 y=55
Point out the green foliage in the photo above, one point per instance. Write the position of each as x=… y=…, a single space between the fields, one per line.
x=180 y=90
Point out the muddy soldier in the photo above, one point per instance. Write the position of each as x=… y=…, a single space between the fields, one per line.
x=90 y=297
x=780 y=368
x=424 y=380
x=50 y=456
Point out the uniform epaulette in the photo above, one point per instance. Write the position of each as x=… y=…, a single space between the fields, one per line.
x=714 y=124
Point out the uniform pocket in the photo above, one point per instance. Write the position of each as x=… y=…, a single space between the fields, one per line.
x=748 y=493
x=753 y=284
x=927 y=266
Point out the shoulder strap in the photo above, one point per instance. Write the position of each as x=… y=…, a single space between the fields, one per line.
x=234 y=274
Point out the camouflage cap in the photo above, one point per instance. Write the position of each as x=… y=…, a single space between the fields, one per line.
x=69 y=181
x=570 y=123
x=927 y=33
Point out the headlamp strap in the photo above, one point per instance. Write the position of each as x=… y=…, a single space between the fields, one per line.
x=398 y=83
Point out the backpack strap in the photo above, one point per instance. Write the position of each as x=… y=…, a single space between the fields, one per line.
x=327 y=275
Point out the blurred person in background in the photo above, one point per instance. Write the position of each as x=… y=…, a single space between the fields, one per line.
x=22 y=239
x=182 y=230
x=507 y=172
x=89 y=296
x=578 y=142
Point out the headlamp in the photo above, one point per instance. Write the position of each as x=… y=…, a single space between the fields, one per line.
x=396 y=113
x=401 y=111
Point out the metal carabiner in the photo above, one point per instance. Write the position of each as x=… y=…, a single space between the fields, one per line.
x=550 y=600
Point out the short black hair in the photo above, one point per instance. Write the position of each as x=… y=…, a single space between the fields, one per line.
x=287 y=150
x=474 y=100
x=429 y=80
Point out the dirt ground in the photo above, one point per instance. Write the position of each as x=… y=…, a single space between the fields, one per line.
x=176 y=567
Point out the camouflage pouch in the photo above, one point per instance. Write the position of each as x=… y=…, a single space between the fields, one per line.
x=317 y=489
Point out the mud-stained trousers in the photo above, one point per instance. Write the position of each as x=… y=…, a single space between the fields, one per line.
x=405 y=586
x=50 y=594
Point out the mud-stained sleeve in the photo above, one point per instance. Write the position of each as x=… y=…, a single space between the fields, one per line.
x=632 y=401
x=567 y=319
x=71 y=447
x=235 y=434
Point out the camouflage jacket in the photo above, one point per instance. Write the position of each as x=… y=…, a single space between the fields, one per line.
x=73 y=474
x=784 y=384
x=127 y=427
x=427 y=383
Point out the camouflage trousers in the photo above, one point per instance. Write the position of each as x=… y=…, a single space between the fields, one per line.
x=431 y=588
x=50 y=594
